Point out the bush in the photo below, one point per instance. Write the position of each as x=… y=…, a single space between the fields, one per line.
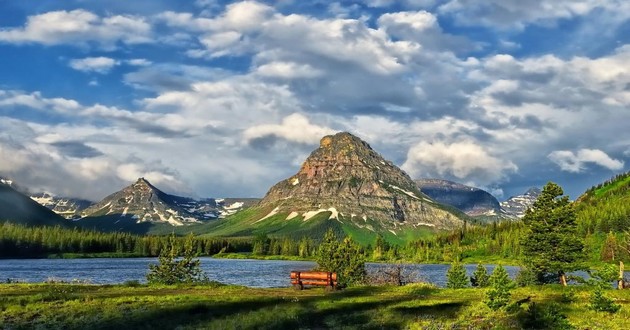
x=480 y=277
x=174 y=270
x=456 y=276
x=500 y=285
x=599 y=302
x=600 y=281
x=544 y=317
x=525 y=277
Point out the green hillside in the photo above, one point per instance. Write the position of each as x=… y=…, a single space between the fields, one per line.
x=606 y=207
x=18 y=208
x=248 y=223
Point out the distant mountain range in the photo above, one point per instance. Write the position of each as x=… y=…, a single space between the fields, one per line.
x=476 y=202
x=344 y=184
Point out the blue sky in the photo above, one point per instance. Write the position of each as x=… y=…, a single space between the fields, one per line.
x=223 y=99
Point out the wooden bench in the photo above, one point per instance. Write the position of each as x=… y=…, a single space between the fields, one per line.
x=327 y=279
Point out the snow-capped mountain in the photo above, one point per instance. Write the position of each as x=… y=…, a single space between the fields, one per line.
x=69 y=208
x=142 y=202
x=516 y=206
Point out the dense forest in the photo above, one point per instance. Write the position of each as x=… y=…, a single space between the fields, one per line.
x=18 y=241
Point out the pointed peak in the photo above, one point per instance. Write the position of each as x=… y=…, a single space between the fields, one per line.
x=342 y=139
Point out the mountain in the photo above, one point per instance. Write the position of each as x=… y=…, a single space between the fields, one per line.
x=344 y=184
x=143 y=208
x=19 y=208
x=606 y=207
x=472 y=201
x=69 y=208
x=516 y=206
x=142 y=202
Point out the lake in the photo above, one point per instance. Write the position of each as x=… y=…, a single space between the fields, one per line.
x=247 y=272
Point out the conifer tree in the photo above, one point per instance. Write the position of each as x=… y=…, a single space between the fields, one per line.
x=480 y=277
x=498 y=295
x=173 y=270
x=551 y=244
x=456 y=276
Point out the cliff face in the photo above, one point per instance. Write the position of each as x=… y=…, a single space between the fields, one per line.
x=348 y=178
x=470 y=200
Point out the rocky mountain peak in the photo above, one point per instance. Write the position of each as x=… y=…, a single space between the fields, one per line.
x=346 y=177
x=516 y=206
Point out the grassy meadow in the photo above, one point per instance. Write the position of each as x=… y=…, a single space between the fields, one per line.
x=215 y=306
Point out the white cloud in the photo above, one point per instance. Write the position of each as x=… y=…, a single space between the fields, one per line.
x=464 y=160
x=288 y=70
x=576 y=162
x=139 y=62
x=79 y=27
x=294 y=128
x=100 y=64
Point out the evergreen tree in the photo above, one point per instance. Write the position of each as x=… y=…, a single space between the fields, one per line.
x=173 y=270
x=480 y=277
x=345 y=258
x=456 y=277
x=498 y=295
x=551 y=244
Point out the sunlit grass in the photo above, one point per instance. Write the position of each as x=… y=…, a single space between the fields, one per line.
x=420 y=306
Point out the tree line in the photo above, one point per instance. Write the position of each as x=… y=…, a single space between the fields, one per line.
x=19 y=241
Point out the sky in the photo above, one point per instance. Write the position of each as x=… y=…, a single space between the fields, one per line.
x=223 y=99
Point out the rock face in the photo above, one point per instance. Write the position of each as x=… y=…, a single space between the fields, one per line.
x=69 y=208
x=145 y=203
x=516 y=206
x=346 y=177
x=472 y=201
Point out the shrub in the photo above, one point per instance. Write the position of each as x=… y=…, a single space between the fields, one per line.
x=525 y=277
x=498 y=296
x=480 y=277
x=174 y=270
x=600 y=281
x=544 y=317
x=599 y=302
x=456 y=276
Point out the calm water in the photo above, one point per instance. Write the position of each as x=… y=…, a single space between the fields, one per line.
x=253 y=273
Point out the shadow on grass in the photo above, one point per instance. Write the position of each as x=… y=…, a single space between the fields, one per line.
x=449 y=310
x=339 y=309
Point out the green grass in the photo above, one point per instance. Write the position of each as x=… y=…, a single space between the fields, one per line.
x=612 y=186
x=417 y=306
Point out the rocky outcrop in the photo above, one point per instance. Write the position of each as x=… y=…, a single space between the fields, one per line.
x=347 y=178
x=470 y=200
x=516 y=206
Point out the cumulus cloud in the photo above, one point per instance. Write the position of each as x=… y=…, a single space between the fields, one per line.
x=99 y=64
x=288 y=70
x=294 y=128
x=79 y=27
x=576 y=161
x=464 y=160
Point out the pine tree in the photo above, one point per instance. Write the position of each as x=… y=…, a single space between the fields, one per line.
x=498 y=295
x=551 y=244
x=480 y=277
x=456 y=276
x=345 y=258
x=171 y=270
